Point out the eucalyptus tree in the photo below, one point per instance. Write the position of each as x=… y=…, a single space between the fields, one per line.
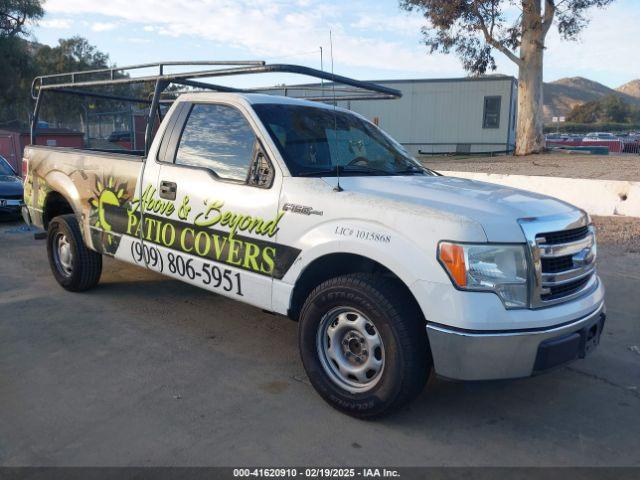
x=476 y=29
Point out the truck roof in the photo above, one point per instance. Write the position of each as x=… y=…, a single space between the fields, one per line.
x=256 y=98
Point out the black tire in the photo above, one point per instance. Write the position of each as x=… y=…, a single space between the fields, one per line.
x=400 y=325
x=85 y=266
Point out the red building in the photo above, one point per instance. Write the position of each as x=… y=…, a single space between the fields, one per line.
x=13 y=141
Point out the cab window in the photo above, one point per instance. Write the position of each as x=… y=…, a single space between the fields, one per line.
x=217 y=137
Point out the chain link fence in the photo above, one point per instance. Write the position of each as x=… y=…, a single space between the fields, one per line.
x=596 y=143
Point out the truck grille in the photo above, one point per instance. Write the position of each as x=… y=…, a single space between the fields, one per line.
x=562 y=290
x=558 y=264
x=553 y=238
x=563 y=253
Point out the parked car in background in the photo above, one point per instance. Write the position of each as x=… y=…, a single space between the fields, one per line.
x=119 y=136
x=631 y=142
x=11 y=192
x=605 y=139
x=600 y=137
x=122 y=138
x=557 y=137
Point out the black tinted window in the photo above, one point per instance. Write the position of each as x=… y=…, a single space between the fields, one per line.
x=491 y=117
x=217 y=137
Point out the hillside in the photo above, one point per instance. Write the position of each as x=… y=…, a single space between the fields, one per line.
x=562 y=95
x=631 y=88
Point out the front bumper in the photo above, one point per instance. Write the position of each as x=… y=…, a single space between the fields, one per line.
x=475 y=355
x=12 y=207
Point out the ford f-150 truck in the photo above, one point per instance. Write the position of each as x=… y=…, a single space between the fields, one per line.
x=311 y=211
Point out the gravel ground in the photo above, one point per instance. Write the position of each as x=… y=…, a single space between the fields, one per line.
x=621 y=232
x=147 y=371
x=609 y=167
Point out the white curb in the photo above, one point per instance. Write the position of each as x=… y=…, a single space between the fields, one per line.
x=597 y=197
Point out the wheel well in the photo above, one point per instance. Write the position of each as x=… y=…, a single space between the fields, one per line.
x=55 y=204
x=333 y=265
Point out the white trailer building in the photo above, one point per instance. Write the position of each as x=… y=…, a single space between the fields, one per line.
x=446 y=115
x=462 y=115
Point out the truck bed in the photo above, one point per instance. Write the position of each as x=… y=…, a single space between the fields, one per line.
x=84 y=179
x=115 y=154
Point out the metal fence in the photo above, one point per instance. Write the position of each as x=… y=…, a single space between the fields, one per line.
x=631 y=145
x=619 y=145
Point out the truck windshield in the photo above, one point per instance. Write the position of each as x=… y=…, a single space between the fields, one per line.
x=317 y=141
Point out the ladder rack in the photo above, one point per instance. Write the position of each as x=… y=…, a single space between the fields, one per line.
x=83 y=82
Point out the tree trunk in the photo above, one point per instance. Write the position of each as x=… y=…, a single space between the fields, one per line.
x=529 y=134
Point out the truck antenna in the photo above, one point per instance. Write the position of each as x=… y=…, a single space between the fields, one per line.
x=337 y=188
x=322 y=70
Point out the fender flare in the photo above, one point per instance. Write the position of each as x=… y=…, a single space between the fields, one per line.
x=62 y=185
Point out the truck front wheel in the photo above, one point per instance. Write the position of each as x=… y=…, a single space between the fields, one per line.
x=74 y=266
x=363 y=344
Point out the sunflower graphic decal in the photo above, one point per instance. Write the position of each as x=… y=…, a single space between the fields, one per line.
x=109 y=197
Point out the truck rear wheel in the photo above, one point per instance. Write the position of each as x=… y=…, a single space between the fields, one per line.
x=74 y=266
x=363 y=344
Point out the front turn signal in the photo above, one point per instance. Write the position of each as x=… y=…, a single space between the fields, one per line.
x=452 y=257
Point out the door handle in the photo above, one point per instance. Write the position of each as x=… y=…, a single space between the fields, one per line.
x=168 y=190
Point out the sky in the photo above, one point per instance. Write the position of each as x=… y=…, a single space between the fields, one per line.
x=371 y=39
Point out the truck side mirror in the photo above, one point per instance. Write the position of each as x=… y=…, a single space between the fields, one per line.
x=261 y=173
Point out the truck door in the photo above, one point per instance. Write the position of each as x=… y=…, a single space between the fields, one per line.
x=214 y=212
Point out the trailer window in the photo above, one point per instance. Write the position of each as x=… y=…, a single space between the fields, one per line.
x=491 y=115
x=217 y=137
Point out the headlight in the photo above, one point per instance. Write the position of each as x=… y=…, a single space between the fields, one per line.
x=501 y=269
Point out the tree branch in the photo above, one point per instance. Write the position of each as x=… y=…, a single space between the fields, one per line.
x=558 y=3
x=547 y=19
x=18 y=23
x=488 y=37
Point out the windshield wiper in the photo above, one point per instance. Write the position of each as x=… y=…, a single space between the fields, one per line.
x=343 y=171
x=412 y=169
x=366 y=169
x=318 y=173
x=359 y=169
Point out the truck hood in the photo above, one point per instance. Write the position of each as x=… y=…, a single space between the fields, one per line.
x=10 y=186
x=496 y=208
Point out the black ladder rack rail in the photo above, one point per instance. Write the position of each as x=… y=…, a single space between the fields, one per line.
x=75 y=83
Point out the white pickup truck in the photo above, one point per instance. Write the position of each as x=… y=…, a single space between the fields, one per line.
x=311 y=211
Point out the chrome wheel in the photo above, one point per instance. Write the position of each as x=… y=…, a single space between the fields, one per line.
x=62 y=254
x=350 y=349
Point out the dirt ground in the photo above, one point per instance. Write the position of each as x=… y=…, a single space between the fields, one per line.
x=604 y=167
x=147 y=371
x=619 y=232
